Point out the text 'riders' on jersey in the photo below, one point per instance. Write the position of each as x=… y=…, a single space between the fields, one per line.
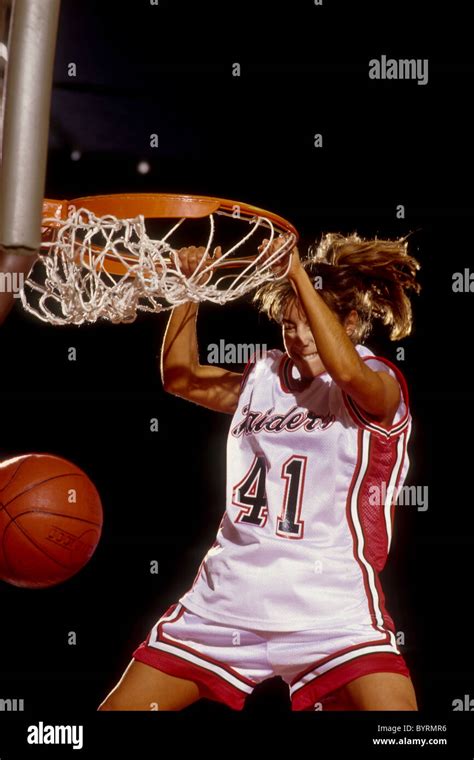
x=309 y=507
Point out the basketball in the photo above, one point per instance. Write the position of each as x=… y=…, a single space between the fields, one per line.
x=50 y=520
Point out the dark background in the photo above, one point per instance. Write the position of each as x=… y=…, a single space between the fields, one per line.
x=168 y=69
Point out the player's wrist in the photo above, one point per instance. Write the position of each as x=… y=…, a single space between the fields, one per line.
x=297 y=275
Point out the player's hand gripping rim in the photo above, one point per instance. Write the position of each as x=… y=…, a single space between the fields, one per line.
x=288 y=264
x=189 y=259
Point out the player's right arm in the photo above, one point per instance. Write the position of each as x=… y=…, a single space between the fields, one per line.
x=181 y=372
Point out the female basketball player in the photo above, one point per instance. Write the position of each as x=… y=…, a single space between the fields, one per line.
x=316 y=452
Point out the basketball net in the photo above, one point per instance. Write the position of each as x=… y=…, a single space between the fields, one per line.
x=103 y=267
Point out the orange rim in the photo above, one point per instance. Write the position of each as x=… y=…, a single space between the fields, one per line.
x=155 y=206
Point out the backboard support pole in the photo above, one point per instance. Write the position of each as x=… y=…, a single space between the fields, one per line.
x=26 y=124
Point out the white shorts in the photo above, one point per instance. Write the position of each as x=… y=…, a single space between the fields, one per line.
x=228 y=662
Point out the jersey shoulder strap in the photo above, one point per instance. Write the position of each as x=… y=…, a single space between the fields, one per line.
x=257 y=360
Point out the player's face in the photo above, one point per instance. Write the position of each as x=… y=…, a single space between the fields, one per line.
x=299 y=342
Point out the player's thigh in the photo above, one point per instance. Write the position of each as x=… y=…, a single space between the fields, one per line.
x=381 y=691
x=143 y=687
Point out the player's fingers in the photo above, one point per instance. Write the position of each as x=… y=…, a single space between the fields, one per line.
x=179 y=257
x=273 y=246
x=196 y=253
x=268 y=249
x=198 y=259
x=183 y=254
x=190 y=257
x=191 y=249
x=185 y=263
x=193 y=261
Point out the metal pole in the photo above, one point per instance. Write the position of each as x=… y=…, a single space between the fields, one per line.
x=26 y=123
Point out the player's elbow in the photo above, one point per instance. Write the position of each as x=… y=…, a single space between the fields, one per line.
x=352 y=378
x=345 y=379
x=172 y=385
x=176 y=381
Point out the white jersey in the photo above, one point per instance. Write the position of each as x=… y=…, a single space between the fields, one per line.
x=311 y=489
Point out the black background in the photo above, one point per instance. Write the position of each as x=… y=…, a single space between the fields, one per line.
x=168 y=69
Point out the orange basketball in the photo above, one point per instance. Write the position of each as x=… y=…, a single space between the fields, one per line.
x=50 y=520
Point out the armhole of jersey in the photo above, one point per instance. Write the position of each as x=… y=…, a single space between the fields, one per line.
x=246 y=372
x=364 y=422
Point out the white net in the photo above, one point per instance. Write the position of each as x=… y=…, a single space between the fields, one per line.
x=109 y=268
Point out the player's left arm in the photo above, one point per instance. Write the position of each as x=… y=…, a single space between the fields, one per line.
x=376 y=393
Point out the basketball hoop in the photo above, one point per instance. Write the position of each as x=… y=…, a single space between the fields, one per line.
x=99 y=262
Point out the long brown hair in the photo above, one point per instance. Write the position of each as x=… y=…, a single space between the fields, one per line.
x=370 y=276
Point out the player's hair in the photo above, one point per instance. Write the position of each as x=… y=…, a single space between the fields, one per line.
x=370 y=276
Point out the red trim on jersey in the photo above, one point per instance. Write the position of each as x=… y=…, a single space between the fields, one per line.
x=350 y=523
x=381 y=460
x=322 y=686
x=380 y=466
x=355 y=540
x=375 y=475
x=397 y=483
x=290 y=384
x=211 y=685
x=358 y=415
x=282 y=373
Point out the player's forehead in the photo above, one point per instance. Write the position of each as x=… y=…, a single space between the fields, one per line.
x=293 y=312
